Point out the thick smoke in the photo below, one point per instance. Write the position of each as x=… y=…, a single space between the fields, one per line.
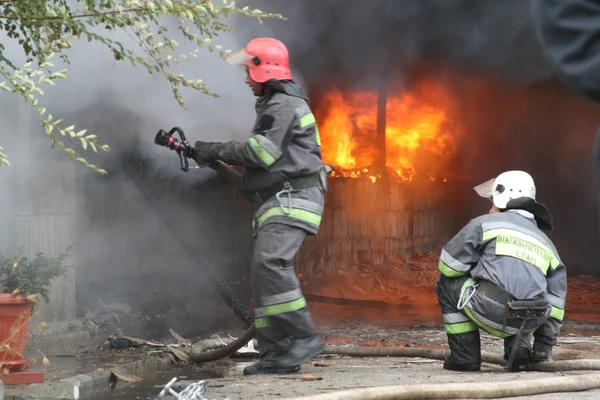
x=360 y=37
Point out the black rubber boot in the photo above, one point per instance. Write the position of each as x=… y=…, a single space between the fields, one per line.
x=450 y=364
x=271 y=363
x=262 y=368
x=541 y=352
x=523 y=353
x=465 y=352
x=301 y=351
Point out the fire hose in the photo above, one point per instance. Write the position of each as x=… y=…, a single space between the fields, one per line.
x=169 y=218
x=470 y=390
x=428 y=391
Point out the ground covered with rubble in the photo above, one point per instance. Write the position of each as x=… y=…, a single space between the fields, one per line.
x=326 y=373
x=329 y=373
x=151 y=344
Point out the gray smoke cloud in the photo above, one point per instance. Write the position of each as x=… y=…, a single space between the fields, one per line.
x=355 y=36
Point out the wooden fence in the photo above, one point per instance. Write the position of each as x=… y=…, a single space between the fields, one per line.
x=372 y=224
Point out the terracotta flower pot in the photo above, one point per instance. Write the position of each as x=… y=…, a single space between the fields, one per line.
x=15 y=312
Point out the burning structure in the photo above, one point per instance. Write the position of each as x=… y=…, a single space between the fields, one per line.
x=394 y=150
x=404 y=186
x=373 y=134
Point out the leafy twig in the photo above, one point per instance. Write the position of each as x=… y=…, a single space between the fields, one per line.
x=47 y=28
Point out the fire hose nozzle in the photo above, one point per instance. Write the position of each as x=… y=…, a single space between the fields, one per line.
x=182 y=147
x=161 y=138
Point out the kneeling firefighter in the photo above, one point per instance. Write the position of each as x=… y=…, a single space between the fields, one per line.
x=286 y=177
x=501 y=273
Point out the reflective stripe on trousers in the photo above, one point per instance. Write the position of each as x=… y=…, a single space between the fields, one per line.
x=280 y=308
x=263 y=312
x=301 y=210
x=456 y=323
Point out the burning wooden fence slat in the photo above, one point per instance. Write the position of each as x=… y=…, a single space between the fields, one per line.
x=369 y=224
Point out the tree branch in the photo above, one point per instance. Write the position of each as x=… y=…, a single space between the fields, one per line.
x=73 y=16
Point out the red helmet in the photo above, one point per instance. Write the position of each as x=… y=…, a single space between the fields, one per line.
x=266 y=58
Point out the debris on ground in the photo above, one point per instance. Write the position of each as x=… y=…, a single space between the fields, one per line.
x=152 y=314
x=216 y=342
x=178 y=352
x=192 y=391
x=124 y=376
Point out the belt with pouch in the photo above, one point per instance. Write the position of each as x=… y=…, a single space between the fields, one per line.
x=494 y=292
x=316 y=179
x=522 y=310
x=515 y=308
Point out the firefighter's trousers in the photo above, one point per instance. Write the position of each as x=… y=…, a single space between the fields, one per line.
x=280 y=308
x=462 y=319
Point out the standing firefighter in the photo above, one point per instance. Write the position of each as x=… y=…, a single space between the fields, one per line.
x=501 y=273
x=285 y=172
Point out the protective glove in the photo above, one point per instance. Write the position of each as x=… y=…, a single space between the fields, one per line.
x=205 y=152
x=541 y=352
x=189 y=151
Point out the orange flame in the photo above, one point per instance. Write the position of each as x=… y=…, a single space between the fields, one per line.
x=420 y=134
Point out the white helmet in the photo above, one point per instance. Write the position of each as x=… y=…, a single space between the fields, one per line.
x=507 y=186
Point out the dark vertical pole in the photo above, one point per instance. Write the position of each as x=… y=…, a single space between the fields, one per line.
x=382 y=95
x=381 y=124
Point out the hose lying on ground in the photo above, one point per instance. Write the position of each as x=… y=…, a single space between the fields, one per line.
x=470 y=390
x=435 y=354
x=419 y=352
x=199 y=356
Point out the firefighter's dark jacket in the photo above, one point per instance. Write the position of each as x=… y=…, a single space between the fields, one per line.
x=284 y=144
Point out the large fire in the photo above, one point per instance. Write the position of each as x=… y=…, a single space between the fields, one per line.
x=419 y=134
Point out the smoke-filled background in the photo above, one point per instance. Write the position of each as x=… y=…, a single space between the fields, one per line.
x=517 y=117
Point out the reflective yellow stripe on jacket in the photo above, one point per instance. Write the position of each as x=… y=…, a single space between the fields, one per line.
x=513 y=243
x=308 y=120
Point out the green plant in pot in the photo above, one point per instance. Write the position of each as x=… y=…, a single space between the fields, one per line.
x=30 y=277
x=22 y=281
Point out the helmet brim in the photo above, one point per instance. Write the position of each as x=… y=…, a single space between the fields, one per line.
x=239 y=57
x=486 y=189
